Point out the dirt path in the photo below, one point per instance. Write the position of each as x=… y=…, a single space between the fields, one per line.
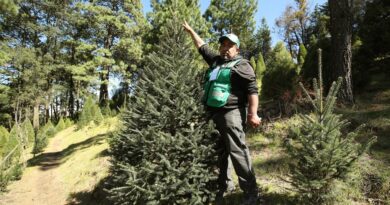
x=41 y=182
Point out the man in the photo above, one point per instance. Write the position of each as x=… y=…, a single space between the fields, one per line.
x=230 y=85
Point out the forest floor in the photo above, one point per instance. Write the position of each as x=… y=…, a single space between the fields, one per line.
x=73 y=163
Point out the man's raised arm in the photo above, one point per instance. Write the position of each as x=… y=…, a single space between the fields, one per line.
x=195 y=37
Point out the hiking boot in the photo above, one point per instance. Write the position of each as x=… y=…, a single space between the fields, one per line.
x=250 y=199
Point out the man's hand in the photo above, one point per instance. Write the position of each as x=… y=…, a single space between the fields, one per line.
x=198 y=41
x=254 y=120
x=187 y=27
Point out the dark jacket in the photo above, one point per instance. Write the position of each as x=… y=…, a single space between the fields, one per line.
x=243 y=79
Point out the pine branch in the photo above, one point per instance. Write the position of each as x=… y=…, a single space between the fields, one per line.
x=308 y=95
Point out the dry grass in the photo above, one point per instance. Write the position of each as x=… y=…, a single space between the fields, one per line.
x=87 y=164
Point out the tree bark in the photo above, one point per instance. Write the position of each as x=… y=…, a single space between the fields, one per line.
x=104 y=76
x=71 y=101
x=36 y=116
x=103 y=96
x=47 y=108
x=341 y=54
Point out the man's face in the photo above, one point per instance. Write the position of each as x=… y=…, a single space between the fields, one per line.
x=228 y=50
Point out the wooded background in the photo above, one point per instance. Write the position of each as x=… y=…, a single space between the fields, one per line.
x=55 y=53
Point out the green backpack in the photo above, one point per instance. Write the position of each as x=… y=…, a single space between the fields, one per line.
x=217 y=84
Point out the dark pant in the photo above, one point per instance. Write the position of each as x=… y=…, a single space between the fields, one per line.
x=231 y=123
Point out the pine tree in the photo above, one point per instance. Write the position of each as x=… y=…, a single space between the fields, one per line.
x=260 y=70
x=60 y=125
x=185 y=10
x=293 y=24
x=13 y=140
x=301 y=57
x=12 y=151
x=4 y=136
x=280 y=74
x=253 y=63
x=91 y=112
x=28 y=128
x=8 y=6
x=106 y=111
x=114 y=31
x=5 y=108
x=230 y=16
x=321 y=150
x=42 y=137
x=164 y=154
x=40 y=143
x=49 y=129
x=68 y=122
x=263 y=40
x=97 y=115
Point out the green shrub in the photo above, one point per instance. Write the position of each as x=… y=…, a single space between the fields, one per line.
x=43 y=136
x=280 y=75
x=320 y=149
x=10 y=168
x=40 y=142
x=106 y=111
x=4 y=136
x=97 y=115
x=16 y=171
x=28 y=129
x=90 y=112
x=49 y=129
x=12 y=141
x=12 y=173
x=68 y=122
x=4 y=180
x=60 y=125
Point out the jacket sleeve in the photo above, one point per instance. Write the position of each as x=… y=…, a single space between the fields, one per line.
x=247 y=77
x=208 y=55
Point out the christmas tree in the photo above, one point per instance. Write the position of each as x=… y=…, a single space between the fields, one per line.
x=60 y=125
x=91 y=112
x=164 y=153
x=321 y=148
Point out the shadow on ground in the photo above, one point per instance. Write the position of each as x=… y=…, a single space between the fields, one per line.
x=265 y=199
x=51 y=160
x=277 y=199
x=98 y=196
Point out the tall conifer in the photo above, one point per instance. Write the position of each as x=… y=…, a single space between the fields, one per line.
x=231 y=16
x=263 y=40
x=4 y=136
x=164 y=153
x=280 y=74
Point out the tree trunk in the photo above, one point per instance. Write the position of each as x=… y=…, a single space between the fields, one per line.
x=77 y=97
x=47 y=108
x=71 y=104
x=36 y=116
x=104 y=77
x=56 y=108
x=16 y=111
x=341 y=32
